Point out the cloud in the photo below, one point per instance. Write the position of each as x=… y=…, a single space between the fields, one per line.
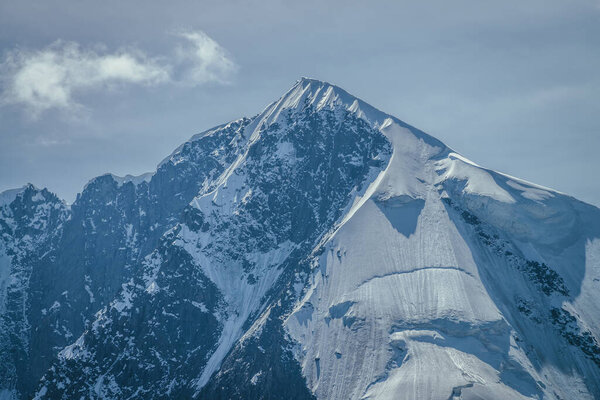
x=53 y=77
x=49 y=78
x=203 y=59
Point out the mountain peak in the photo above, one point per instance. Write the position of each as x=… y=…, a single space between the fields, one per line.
x=8 y=196
x=324 y=95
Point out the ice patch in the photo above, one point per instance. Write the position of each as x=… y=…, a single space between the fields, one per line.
x=152 y=288
x=38 y=197
x=254 y=379
x=124 y=301
x=74 y=351
x=200 y=306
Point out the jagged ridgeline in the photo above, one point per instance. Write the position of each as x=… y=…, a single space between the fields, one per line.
x=321 y=249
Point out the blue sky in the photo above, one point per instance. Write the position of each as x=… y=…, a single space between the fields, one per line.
x=94 y=87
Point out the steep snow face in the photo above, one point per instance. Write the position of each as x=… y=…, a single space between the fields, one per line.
x=406 y=299
x=395 y=276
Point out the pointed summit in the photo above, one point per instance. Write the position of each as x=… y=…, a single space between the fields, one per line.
x=326 y=96
x=322 y=95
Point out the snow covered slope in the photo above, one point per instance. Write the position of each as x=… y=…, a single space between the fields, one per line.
x=444 y=265
x=321 y=249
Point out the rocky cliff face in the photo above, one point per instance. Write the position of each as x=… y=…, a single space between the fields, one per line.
x=319 y=249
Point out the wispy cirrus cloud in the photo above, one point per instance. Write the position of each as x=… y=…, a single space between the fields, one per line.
x=55 y=76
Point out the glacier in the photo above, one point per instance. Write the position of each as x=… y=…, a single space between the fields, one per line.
x=320 y=249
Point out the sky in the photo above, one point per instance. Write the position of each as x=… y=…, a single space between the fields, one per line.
x=89 y=87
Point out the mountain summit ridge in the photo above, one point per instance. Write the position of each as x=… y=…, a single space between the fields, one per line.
x=309 y=91
x=320 y=249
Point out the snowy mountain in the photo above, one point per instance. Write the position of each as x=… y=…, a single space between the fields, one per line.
x=321 y=249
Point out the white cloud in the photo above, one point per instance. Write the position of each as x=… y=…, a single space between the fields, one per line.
x=53 y=77
x=203 y=60
x=49 y=78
